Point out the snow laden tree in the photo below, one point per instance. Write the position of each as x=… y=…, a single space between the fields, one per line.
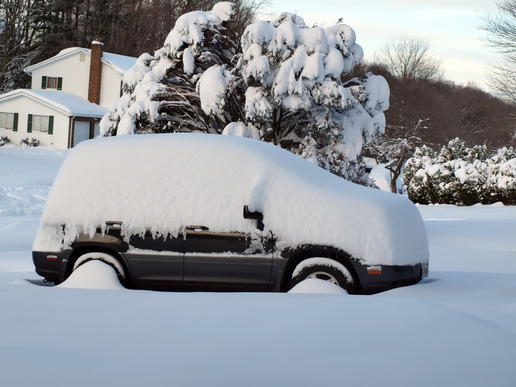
x=295 y=96
x=282 y=83
x=160 y=92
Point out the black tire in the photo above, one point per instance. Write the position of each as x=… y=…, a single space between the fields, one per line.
x=325 y=269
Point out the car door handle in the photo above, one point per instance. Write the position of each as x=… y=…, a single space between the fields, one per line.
x=197 y=228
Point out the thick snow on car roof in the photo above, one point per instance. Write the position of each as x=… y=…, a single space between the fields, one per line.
x=169 y=181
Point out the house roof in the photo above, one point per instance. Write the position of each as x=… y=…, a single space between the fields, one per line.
x=120 y=63
x=66 y=103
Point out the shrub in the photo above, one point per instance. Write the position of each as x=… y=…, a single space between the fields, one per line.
x=4 y=140
x=25 y=142
x=460 y=175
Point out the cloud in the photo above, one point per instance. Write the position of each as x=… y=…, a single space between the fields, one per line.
x=451 y=27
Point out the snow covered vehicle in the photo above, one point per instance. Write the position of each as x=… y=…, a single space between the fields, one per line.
x=198 y=211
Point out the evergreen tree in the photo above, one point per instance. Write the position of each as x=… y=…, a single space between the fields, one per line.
x=160 y=91
x=295 y=96
x=284 y=86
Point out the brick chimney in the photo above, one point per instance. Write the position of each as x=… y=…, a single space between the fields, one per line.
x=95 y=81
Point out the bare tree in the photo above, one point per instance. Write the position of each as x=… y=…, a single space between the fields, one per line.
x=395 y=148
x=501 y=29
x=407 y=57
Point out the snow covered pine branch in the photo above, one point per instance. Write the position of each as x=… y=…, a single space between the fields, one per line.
x=281 y=83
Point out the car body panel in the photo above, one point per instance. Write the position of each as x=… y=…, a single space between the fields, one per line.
x=156 y=258
x=232 y=258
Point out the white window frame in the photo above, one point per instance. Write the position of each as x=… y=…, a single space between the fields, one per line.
x=6 y=121
x=40 y=123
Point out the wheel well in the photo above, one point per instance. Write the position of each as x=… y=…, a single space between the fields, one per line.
x=79 y=251
x=299 y=256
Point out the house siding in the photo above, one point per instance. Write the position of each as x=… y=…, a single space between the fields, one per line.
x=75 y=78
x=74 y=74
x=59 y=138
x=110 y=91
x=71 y=70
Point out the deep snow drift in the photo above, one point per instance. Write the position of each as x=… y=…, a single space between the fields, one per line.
x=455 y=328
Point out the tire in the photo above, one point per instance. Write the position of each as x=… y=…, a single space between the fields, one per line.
x=324 y=269
x=105 y=258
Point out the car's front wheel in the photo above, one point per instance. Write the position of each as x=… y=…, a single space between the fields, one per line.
x=325 y=269
x=108 y=259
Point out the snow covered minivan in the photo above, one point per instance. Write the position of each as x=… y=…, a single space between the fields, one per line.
x=212 y=212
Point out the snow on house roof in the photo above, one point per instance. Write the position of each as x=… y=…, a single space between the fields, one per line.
x=120 y=63
x=66 y=103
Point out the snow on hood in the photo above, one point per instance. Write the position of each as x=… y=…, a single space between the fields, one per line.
x=169 y=181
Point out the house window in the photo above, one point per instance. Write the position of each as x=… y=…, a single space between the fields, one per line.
x=9 y=121
x=38 y=123
x=52 y=83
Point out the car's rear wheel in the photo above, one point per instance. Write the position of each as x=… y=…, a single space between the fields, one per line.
x=325 y=269
x=106 y=258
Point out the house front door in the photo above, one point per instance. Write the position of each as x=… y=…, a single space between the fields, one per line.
x=81 y=132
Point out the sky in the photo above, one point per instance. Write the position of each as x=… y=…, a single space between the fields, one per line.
x=450 y=26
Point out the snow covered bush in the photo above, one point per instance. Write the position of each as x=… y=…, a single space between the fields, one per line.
x=4 y=140
x=283 y=86
x=295 y=96
x=25 y=142
x=501 y=181
x=461 y=175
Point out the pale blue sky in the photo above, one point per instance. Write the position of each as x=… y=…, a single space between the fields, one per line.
x=451 y=27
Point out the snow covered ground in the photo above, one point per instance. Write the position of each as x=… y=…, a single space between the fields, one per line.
x=456 y=328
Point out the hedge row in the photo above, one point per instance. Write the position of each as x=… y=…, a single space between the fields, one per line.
x=461 y=176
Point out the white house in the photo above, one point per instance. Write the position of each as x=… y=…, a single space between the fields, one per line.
x=69 y=94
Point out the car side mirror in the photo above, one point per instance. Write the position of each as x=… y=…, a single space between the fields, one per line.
x=256 y=215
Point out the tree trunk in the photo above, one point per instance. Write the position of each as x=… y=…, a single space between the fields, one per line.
x=396 y=172
x=394 y=178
